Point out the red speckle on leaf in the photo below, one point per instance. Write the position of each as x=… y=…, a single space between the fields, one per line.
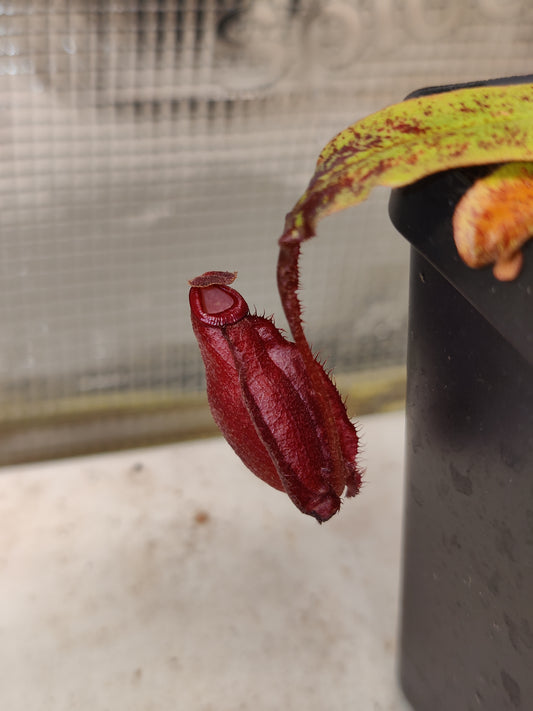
x=457 y=152
x=464 y=109
x=411 y=128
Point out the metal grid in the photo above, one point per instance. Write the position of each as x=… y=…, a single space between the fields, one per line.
x=142 y=143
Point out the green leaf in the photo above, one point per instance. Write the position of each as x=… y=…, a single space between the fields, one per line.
x=408 y=141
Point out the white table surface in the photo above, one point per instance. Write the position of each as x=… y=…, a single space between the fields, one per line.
x=171 y=578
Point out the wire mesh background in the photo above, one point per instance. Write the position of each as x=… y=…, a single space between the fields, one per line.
x=144 y=142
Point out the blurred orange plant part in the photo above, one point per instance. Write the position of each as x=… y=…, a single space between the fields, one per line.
x=494 y=219
x=398 y=146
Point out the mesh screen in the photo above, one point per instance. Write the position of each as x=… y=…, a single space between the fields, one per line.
x=143 y=143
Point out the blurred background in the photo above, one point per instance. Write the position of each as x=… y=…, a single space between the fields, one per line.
x=143 y=142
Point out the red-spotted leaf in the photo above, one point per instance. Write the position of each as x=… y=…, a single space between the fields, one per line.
x=405 y=142
x=398 y=146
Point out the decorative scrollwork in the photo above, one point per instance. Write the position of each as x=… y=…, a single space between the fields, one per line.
x=253 y=45
x=335 y=34
x=499 y=10
x=433 y=19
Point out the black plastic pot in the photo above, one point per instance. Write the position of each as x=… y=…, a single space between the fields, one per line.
x=467 y=610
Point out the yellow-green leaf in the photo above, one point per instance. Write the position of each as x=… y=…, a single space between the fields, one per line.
x=408 y=141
